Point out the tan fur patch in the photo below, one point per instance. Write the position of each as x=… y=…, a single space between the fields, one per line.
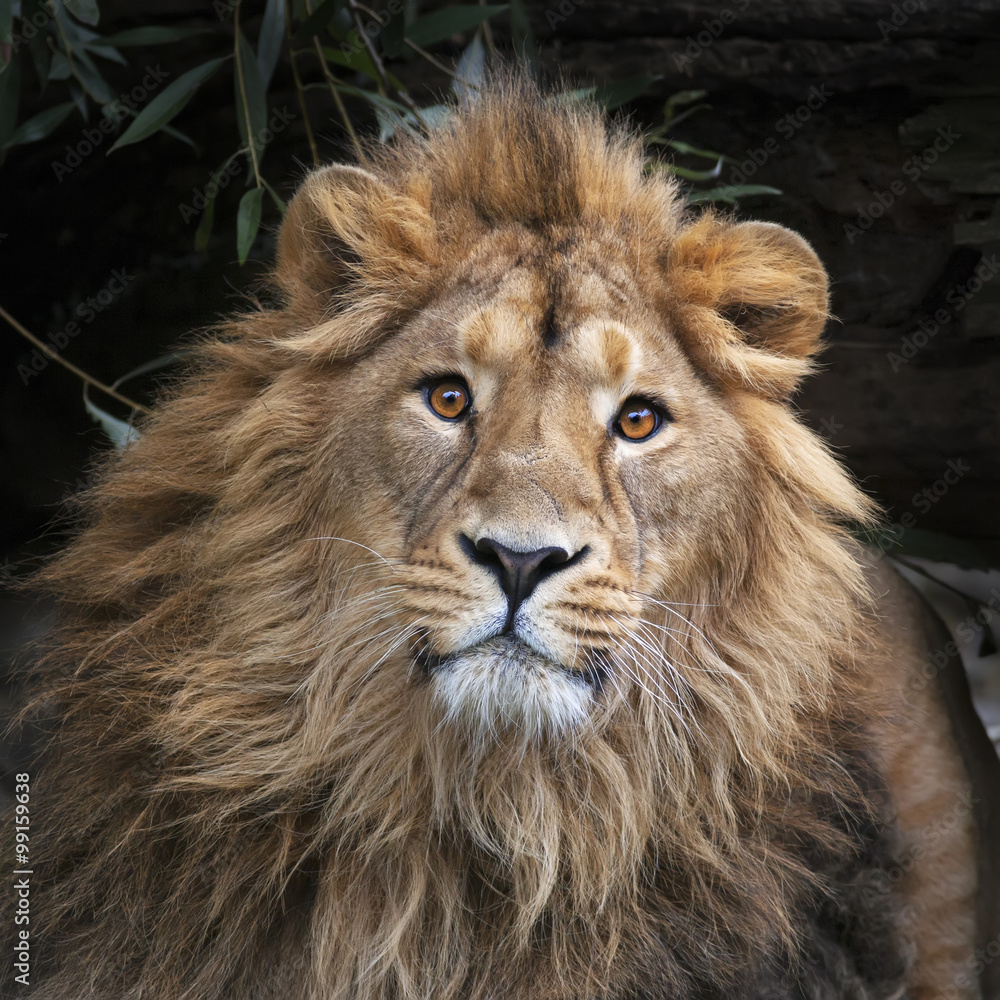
x=934 y=803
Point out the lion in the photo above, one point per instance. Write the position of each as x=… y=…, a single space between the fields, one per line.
x=478 y=619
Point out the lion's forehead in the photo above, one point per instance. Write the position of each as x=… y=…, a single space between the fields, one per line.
x=564 y=310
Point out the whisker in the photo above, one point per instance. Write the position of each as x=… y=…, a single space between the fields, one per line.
x=404 y=636
x=652 y=681
x=670 y=607
x=350 y=541
x=343 y=612
x=676 y=604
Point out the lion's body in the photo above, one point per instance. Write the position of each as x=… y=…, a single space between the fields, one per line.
x=304 y=747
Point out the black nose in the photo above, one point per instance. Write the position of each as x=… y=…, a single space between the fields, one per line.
x=518 y=572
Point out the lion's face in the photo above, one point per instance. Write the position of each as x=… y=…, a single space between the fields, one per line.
x=532 y=521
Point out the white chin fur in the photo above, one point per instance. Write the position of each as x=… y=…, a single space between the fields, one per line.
x=500 y=685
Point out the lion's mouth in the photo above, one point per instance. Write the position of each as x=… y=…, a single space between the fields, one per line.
x=509 y=653
x=503 y=684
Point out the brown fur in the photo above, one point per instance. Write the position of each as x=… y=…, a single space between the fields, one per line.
x=258 y=781
x=933 y=799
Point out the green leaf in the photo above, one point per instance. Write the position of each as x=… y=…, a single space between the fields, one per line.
x=176 y=133
x=275 y=197
x=393 y=35
x=59 y=70
x=375 y=99
x=82 y=66
x=578 y=96
x=688 y=149
x=41 y=55
x=256 y=93
x=613 y=95
x=79 y=99
x=10 y=94
x=693 y=110
x=6 y=21
x=471 y=70
x=730 y=193
x=272 y=34
x=696 y=175
x=77 y=33
x=359 y=62
x=433 y=115
x=155 y=365
x=248 y=221
x=204 y=230
x=521 y=34
x=83 y=10
x=70 y=31
x=672 y=118
x=389 y=122
x=75 y=39
x=150 y=35
x=108 y=52
x=119 y=433
x=317 y=20
x=43 y=124
x=443 y=24
x=680 y=98
x=166 y=106
x=91 y=80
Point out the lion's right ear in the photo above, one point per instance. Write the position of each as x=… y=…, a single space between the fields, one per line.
x=752 y=300
x=345 y=225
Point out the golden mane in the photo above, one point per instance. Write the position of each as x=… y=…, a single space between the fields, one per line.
x=242 y=794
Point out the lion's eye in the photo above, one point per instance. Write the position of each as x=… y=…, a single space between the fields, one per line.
x=638 y=419
x=449 y=398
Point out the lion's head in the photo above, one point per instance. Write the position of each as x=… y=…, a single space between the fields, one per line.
x=458 y=622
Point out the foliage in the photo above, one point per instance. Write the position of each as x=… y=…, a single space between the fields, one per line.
x=342 y=47
x=672 y=117
x=345 y=50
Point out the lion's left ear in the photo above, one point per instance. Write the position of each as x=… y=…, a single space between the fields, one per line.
x=347 y=226
x=751 y=301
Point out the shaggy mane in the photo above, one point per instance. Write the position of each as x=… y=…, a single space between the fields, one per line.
x=242 y=792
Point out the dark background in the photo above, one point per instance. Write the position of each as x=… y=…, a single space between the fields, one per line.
x=884 y=81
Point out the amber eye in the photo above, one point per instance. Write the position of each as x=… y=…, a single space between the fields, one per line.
x=638 y=419
x=449 y=398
